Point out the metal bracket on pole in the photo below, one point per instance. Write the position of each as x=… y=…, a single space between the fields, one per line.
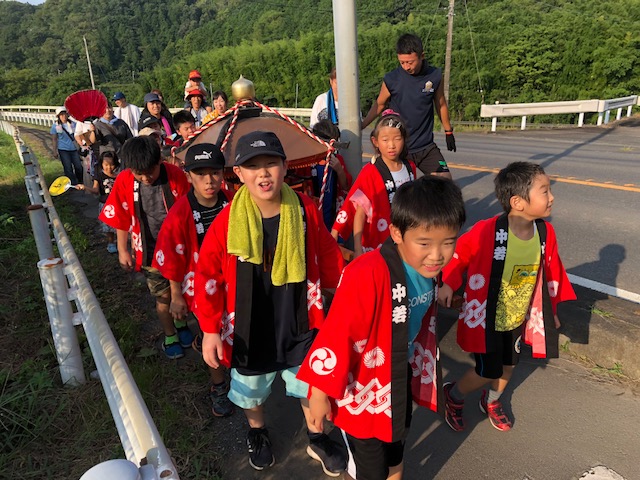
x=54 y=286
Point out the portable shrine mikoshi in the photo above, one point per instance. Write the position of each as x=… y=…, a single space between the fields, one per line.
x=302 y=148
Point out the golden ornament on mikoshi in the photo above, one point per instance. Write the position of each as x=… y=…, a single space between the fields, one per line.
x=243 y=89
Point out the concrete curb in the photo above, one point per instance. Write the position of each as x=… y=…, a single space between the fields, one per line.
x=603 y=331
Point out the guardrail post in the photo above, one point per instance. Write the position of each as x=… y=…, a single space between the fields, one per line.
x=40 y=227
x=607 y=114
x=523 y=123
x=30 y=168
x=629 y=109
x=54 y=286
x=494 y=123
x=33 y=189
x=600 y=117
x=619 y=114
x=581 y=119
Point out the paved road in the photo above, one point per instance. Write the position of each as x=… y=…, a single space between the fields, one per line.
x=597 y=225
x=567 y=421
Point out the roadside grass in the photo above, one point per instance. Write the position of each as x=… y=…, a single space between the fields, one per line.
x=49 y=431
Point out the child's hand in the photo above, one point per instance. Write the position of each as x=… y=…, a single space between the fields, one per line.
x=556 y=320
x=212 y=349
x=319 y=408
x=125 y=260
x=445 y=294
x=178 y=307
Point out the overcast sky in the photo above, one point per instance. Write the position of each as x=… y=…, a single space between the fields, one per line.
x=32 y=2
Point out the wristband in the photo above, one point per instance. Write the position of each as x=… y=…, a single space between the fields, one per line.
x=448 y=132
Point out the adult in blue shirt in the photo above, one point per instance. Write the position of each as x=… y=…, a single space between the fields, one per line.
x=415 y=90
x=64 y=146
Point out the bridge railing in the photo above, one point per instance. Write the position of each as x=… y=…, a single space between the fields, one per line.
x=602 y=107
x=64 y=281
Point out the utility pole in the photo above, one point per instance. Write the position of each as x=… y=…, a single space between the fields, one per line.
x=86 y=49
x=346 y=48
x=447 y=56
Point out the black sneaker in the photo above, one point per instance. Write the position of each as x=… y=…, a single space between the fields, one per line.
x=221 y=406
x=329 y=454
x=259 y=445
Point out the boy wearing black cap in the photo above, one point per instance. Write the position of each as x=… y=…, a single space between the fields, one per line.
x=138 y=204
x=258 y=292
x=179 y=242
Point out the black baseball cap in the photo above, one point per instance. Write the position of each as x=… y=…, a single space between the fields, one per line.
x=203 y=155
x=258 y=143
x=147 y=120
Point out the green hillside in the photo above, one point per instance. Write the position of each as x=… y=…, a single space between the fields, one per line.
x=504 y=50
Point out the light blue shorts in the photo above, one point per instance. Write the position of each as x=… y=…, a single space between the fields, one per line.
x=249 y=391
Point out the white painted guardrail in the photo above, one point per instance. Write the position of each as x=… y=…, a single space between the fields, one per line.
x=63 y=281
x=602 y=107
x=45 y=116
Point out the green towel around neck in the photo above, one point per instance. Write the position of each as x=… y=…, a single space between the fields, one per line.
x=245 y=237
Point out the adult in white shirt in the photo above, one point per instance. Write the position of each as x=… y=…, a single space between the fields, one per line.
x=126 y=112
x=326 y=105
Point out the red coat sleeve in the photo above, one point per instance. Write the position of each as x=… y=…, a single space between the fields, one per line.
x=210 y=284
x=173 y=249
x=558 y=284
x=466 y=248
x=347 y=326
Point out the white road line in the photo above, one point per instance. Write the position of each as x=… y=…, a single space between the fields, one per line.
x=607 y=289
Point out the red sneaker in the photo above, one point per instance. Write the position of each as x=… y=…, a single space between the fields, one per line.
x=496 y=414
x=452 y=409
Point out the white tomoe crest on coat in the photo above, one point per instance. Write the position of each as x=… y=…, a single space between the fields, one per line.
x=180 y=249
x=109 y=211
x=341 y=217
x=125 y=205
x=553 y=288
x=382 y=225
x=323 y=361
x=196 y=257
x=160 y=257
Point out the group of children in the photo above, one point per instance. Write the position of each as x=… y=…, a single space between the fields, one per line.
x=252 y=267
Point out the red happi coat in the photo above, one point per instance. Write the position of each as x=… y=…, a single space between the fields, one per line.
x=481 y=252
x=374 y=194
x=119 y=210
x=176 y=254
x=219 y=295
x=359 y=358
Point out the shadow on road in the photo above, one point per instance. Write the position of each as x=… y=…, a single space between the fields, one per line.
x=552 y=158
x=606 y=268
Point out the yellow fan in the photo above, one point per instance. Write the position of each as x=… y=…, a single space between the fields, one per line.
x=60 y=185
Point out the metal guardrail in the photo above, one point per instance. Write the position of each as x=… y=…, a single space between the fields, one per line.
x=602 y=107
x=64 y=281
x=33 y=114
